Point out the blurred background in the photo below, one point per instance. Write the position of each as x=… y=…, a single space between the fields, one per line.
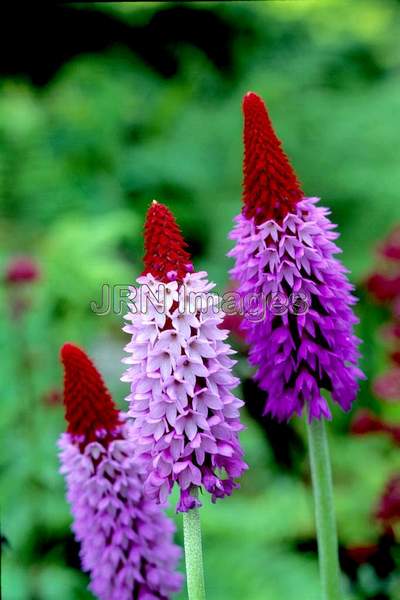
x=105 y=106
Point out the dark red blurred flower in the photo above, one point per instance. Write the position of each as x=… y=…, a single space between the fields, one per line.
x=361 y=554
x=365 y=422
x=395 y=356
x=388 y=509
x=384 y=288
x=22 y=269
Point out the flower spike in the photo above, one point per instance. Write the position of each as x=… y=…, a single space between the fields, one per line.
x=185 y=415
x=126 y=540
x=284 y=255
x=270 y=186
x=165 y=249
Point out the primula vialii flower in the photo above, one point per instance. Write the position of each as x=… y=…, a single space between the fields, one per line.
x=126 y=540
x=186 y=417
x=284 y=246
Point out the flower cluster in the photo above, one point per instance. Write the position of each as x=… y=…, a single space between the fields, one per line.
x=186 y=419
x=126 y=540
x=285 y=244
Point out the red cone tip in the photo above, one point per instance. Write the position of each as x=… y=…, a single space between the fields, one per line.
x=89 y=407
x=270 y=186
x=165 y=249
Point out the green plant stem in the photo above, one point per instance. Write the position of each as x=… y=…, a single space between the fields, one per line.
x=324 y=511
x=193 y=554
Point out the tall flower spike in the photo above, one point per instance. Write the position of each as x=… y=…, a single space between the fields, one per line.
x=126 y=540
x=179 y=368
x=285 y=252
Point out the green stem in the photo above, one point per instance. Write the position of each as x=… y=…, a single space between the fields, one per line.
x=324 y=511
x=193 y=554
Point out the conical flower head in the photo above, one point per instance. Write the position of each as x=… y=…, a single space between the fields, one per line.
x=126 y=540
x=186 y=418
x=301 y=335
x=89 y=407
x=270 y=186
x=165 y=257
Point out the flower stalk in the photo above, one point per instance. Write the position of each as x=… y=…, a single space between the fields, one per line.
x=193 y=554
x=324 y=510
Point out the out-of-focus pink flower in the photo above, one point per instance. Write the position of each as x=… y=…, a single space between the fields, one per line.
x=388 y=509
x=22 y=269
x=387 y=386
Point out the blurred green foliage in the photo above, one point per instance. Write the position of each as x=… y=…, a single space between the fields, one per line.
x=80 y=160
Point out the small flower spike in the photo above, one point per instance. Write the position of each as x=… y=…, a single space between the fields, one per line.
x=186 y=419
x=285 y=258
x=126 y=540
